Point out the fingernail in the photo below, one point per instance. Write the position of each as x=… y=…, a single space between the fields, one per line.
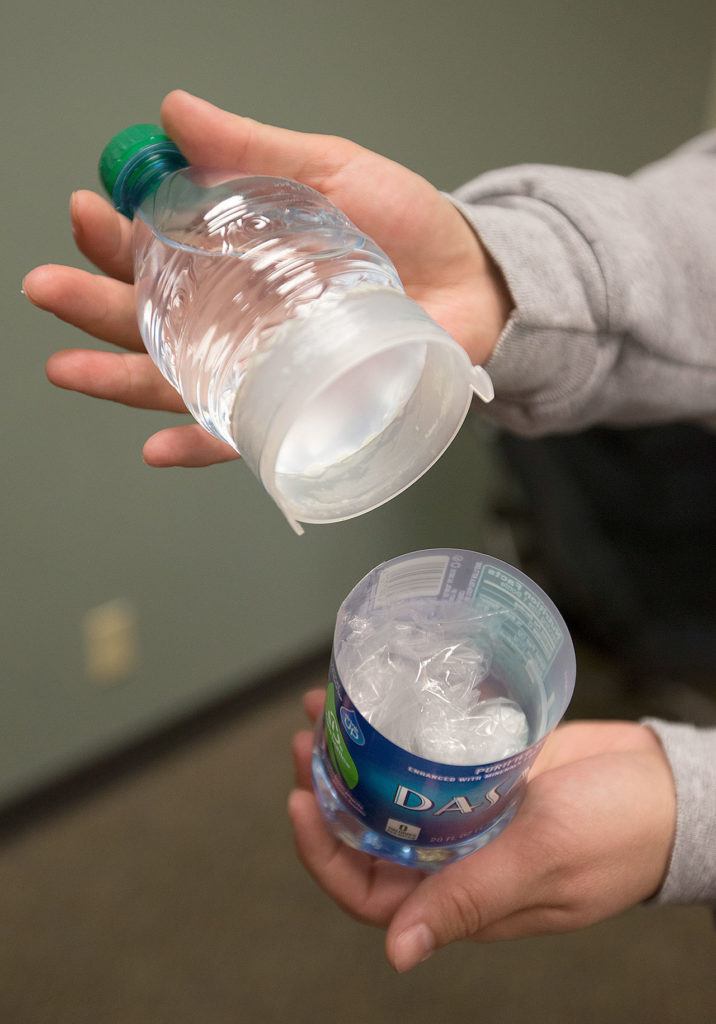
x=412 y=947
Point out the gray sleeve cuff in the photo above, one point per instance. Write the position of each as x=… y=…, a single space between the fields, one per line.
x=691 y=752
x=612 y=282
x=553 y=350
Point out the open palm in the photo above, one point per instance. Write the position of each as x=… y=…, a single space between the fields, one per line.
x=591 y=838
x=439 y=259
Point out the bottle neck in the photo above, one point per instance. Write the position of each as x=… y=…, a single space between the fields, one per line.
x=143 y=174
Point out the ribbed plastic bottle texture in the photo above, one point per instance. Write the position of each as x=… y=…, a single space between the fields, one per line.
x=219 y=266
x=286 y=331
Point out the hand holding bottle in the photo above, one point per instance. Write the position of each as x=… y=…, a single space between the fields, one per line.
x=592 y=837
x=440 y=261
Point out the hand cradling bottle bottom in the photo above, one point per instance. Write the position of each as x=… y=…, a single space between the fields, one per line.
x=449 y=670
x=286 y=331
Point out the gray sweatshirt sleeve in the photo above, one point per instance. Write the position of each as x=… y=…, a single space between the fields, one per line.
x=691 y=877
x=614 y=285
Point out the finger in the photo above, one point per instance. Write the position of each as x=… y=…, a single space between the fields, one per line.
x=302 y=748
x=210 y=136
x=97 y=305
x=367 y=889
x=131 y=379
x=463 y=899
x=313 y=702
x=102 y=235
x=190 y=446
x=340 y=871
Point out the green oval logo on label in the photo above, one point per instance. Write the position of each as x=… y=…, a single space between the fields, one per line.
x=337 y=749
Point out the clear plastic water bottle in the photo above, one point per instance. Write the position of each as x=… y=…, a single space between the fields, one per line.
x=449 y=670
x=286 y=331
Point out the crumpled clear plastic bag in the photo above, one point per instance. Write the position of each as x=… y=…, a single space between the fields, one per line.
x=415 y=672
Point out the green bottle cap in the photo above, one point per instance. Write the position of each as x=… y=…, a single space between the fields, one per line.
x=134 y=161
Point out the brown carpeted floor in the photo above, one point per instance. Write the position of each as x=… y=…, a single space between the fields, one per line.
x=172 y=896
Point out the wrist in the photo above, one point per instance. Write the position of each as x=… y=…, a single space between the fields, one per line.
x=499 y=306
x=489 y=303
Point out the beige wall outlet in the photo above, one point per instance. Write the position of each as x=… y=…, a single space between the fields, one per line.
x=110 y=642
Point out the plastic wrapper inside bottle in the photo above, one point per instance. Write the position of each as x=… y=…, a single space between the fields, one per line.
x=419 y=673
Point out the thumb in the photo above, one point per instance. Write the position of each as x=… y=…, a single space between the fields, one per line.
x=461 y=900
x=210 y=136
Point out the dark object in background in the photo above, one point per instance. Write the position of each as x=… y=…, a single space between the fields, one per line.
x=623 y=525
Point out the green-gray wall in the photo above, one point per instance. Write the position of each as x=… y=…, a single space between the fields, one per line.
x=224 y=592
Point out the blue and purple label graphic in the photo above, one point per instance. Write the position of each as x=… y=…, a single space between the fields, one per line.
x=408 y=797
